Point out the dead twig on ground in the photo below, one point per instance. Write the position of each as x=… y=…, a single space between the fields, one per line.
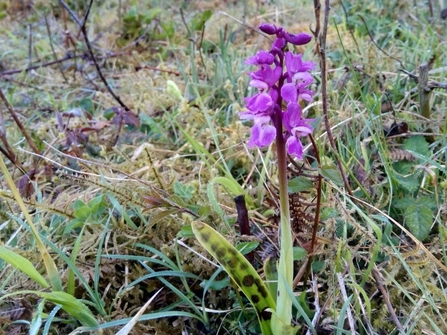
x=386 y=297
x=19 y=124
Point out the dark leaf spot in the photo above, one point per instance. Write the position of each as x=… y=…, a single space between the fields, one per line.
x=248 y=280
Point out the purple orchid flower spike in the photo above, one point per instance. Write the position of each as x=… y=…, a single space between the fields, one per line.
x=281 y=77
x=282 y=82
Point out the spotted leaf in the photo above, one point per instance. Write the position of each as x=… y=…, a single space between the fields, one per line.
x=240 y=270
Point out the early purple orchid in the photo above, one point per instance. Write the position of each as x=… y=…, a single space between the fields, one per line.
x=276 y=85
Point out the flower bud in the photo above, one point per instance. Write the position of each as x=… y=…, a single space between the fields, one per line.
x=267 y=28
x=298 y=39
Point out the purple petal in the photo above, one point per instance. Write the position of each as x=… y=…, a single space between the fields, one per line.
x=262 y=134
x=304 y=78
x=261 y=58
x=259 y=84
x=293 y=113
x=267 y=28
x=294 y=147
x=267 y=74
x=247 y=115
x=294 y=63
x=298 y=39
x=289 y=92
x=279 y=43
x=260 y=102
x=302 y=130
x=274 y=95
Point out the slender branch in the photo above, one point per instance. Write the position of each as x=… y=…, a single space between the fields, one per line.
x=317 y=11
x=68 y=56
x=7 y=152
x=30 y=44
x=377 y=46
x=90 y=49
x=19 y=124
x=140 y=67
x=52 y=48
x=424 y=92
x=72 y=14
x=87 y=13
x=349 y=29
x=317 y=212
x=386 y=297
x=318 y=209
x=322 y=42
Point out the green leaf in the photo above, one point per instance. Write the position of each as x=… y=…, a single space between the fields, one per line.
x=82 y=213
x=23 y=265
x=409 y=183
x=86 y=104
x=330 y=172
x=72 y=306
x=199 y=20
x=168 y=28
x=417 y=144
x=271 y=275
x=186 y=231
x=317 y=266
x=299 y=253
x=299 y=184
x=419 y=217
x=73 y=224
x=97 y=205
x=109 y=113
x=328 y=213
x=216 y=285
x=183 y=191
x=78 y=204
x=151 y=14
x=240 y=270
x=246 y=247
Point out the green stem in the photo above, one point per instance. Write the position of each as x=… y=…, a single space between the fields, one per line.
x=285 y=269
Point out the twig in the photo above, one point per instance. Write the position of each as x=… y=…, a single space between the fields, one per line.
x=87 y=13
x=317 y=211
x=52 y=48
x=377 y=46
x=30 y=45
x=68 y=56
x=199 y=46
x=424 y=91
x=322 y=43
x=7 y=152
x=182 y=15
x=386 y=297
x=349 y=29
x=90 y=49
x=140 y=67
x=19 y=124
x=316 y=32
x=72 y=14
x=341 y=283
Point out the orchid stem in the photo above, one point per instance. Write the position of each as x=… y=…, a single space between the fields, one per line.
x=284 y=303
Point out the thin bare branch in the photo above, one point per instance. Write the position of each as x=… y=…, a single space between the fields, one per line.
x=322 y=46
x=19 y=124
